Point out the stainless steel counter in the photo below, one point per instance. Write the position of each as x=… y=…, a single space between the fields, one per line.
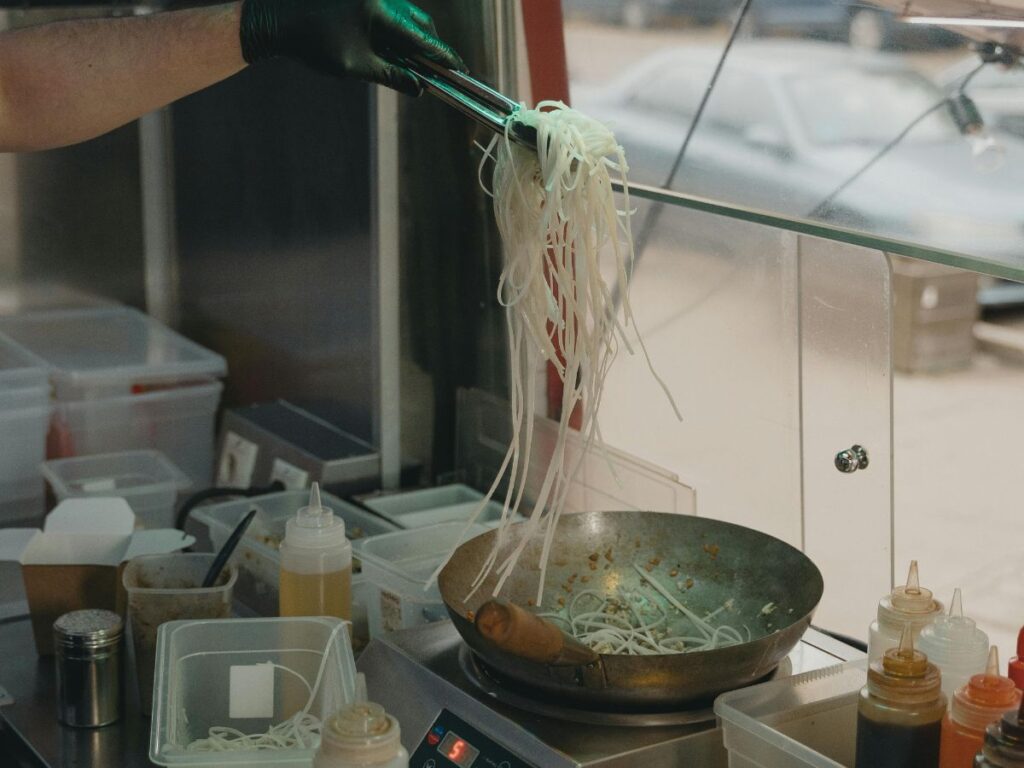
x=31 y=713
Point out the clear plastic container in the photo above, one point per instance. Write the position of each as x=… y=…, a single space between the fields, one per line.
x=805 y=720
x=257 y=556
x=362 y=736
x=193 y=683
x=398 y=567
x=108 y=352
x=177 y=422
x=430 y=506
x=165 y=588
x=20 y=370
x=147 y=480
x=22 y=450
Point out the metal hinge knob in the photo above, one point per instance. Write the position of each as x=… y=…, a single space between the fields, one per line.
x=852 y=459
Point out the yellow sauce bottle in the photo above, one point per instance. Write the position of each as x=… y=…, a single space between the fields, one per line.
x=316 y=563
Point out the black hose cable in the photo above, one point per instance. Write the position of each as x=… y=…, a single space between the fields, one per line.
x=823 y=206
x=196 y=499
x=651 y=220
x=853 y=642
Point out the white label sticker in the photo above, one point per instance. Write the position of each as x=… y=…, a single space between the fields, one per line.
x=237 y=462
x=98 y=485
x=294 y=479
x=252 y=691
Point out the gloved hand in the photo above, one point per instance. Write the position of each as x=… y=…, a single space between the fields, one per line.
x=357 y=38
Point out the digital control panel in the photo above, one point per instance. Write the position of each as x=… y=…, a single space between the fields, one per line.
x=453 y=743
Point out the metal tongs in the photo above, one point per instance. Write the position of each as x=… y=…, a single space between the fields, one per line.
x=475 y=99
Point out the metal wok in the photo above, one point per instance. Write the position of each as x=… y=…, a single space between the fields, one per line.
x=725 y=561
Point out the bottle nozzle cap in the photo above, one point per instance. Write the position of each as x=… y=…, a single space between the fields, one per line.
x=956 y=605
x=913 y=586
x=912 y=597
x=904 y=660
x=992 y=668
x=315 y=524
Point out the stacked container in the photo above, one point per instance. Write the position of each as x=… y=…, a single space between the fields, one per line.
x=123 y=381
x=147 y=480
x=24 y=416
x=398 y=568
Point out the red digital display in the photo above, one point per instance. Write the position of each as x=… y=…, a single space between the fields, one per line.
x=458 y=750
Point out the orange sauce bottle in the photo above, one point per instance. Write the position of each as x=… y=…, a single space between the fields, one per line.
x=976 y=705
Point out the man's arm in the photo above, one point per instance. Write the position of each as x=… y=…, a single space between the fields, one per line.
x=70 y=81
x=66 y=82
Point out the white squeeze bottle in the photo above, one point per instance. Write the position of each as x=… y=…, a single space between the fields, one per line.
x=956 y=646
x=362 y=735
x=910 y=604
x=316 y=563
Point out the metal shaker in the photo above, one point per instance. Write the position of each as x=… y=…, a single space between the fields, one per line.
x=88 y=649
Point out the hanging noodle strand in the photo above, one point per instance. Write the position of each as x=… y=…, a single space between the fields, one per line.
x=556 y=212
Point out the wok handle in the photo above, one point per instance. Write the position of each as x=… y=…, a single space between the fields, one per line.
x=525 y=635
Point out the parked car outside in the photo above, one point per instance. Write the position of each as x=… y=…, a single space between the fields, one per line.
x=790 y=120
x=856 y=23
x=638 y=14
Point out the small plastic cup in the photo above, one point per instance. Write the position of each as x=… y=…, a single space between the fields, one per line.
x=167 y=588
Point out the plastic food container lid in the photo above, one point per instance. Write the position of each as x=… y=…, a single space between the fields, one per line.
x=19 y=368
x=125 y=475
x=101 y=345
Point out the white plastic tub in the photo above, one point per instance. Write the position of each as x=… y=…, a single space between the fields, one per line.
x=397 y=568
x=24 y=418
x=430 y=506
x=147 y=480
x=806 y=720
x=177 y=422
x=22 y=449
x=193 y=683
x=110 y=351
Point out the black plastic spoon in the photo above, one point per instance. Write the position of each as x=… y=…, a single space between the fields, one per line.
x=225 y=552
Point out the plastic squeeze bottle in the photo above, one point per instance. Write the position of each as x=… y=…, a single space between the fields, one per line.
x=316 y=563
x=899 y=712
x=911 y=604
x=1016 y=669
x=955 y=645
x=975 y=706
x=362 y=735
x=1004 y=743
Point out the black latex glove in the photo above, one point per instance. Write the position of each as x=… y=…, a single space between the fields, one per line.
x=354 y=38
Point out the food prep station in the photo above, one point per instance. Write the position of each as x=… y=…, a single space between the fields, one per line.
x=353 y=342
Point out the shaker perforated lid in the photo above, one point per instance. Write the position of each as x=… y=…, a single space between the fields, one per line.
x=89 y=629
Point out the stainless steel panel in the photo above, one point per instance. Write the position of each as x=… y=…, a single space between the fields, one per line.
x=272 y=180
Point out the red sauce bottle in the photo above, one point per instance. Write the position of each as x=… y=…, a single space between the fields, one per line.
x=974 y=707
x=1016 y=672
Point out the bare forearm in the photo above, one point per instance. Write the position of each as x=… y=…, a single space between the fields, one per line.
x=71 y=81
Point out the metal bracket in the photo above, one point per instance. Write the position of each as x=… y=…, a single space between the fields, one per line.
x=852 y=459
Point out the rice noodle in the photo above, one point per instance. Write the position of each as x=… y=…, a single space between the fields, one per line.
x=556 y=212
x=632 y=622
